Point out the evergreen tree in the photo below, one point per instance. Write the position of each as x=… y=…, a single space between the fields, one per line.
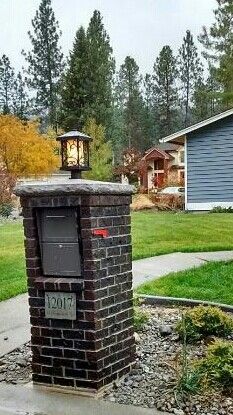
x=20 y=99
x=190 y=72
x=165 y=91
x=200 y=109
x=6 y=85
x=74 y=99
x=45 y=59
x=218 y=41
x=87 y=84
x=149 y=121
x=214 y=94
x=116 y=132
x=131 y=100
x=99 y=70
x=100 y=152
x=206 y=97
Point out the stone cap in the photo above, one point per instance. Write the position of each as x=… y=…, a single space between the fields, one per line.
x=70 y=186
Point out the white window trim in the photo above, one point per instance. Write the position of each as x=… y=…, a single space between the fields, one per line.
x=207 y=205
x=185 y=173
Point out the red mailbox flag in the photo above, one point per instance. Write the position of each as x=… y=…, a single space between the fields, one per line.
x=100 y=232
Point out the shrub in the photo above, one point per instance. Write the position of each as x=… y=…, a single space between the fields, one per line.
x=216 y=369
x=220 y=209
x=6 y=209
x=141 y=202
x=140 y=316
x=7 y=183
x=167 y=202
x=203 y=321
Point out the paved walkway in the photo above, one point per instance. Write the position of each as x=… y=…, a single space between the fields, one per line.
x=14 y=320
x=14 y=323
x=155 y=267
x=25 y=400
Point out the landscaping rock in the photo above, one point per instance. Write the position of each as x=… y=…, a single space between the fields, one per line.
x=151 y=382
x=165 y=330
x=137 y=337
x=15 y=367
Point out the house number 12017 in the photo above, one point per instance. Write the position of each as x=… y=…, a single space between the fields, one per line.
x=59 y=305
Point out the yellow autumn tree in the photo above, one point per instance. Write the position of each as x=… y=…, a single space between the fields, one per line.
x=23 y=151
x=100 y=152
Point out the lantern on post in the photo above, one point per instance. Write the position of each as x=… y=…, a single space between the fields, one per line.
x=75 y=152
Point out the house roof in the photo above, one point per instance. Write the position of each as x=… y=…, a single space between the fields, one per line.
x=149 y=154
x=168 y=146
x=197 y=126
x=162 y=148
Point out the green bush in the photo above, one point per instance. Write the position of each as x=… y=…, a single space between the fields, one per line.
x=189 y=381
x=220 y=209
x=6 y=209
x=140 y=316
x=202 y=321
x=216 y=369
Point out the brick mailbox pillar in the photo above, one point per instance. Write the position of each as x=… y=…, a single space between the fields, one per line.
x=78 y=260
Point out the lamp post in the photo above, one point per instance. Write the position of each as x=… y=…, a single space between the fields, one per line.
x=75 y=152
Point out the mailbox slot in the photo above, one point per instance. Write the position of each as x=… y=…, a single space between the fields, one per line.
x=59 y=241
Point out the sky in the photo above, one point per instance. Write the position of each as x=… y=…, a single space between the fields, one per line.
x=139 y=28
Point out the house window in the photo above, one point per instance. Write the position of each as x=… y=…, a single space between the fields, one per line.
x=159 y=164
x=182 y=156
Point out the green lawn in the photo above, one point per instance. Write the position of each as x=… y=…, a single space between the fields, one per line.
x=153 y=234
x=12 y=269
x=210 y=282
x=162 y=233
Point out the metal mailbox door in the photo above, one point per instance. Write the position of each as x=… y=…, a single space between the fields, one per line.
x=59 y=224
x=59 y=242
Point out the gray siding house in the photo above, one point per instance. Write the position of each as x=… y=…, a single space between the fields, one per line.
x=208 y=149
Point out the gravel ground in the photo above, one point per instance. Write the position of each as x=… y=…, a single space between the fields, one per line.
x=15 y=367
x=151 y=382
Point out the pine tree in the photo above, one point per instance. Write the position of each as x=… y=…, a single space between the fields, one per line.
x=218 y=41
x=6 y=85
x=214 y=88
x=206 y=97
x=20 y=99
x=200 y=109
x=87 y=85
x=149 y=121
x=165 y=91
x=190 y=72
x=45 y=60
x=100 y=69
x=116 y=132
x=100 y=152
x=74 y=98
x=131 y=100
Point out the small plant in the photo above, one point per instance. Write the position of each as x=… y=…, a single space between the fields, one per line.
x=216 y=369
x=188 y=379
x=201 y=322
x=220 y=209
x=6 y=209
x=140 y=316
